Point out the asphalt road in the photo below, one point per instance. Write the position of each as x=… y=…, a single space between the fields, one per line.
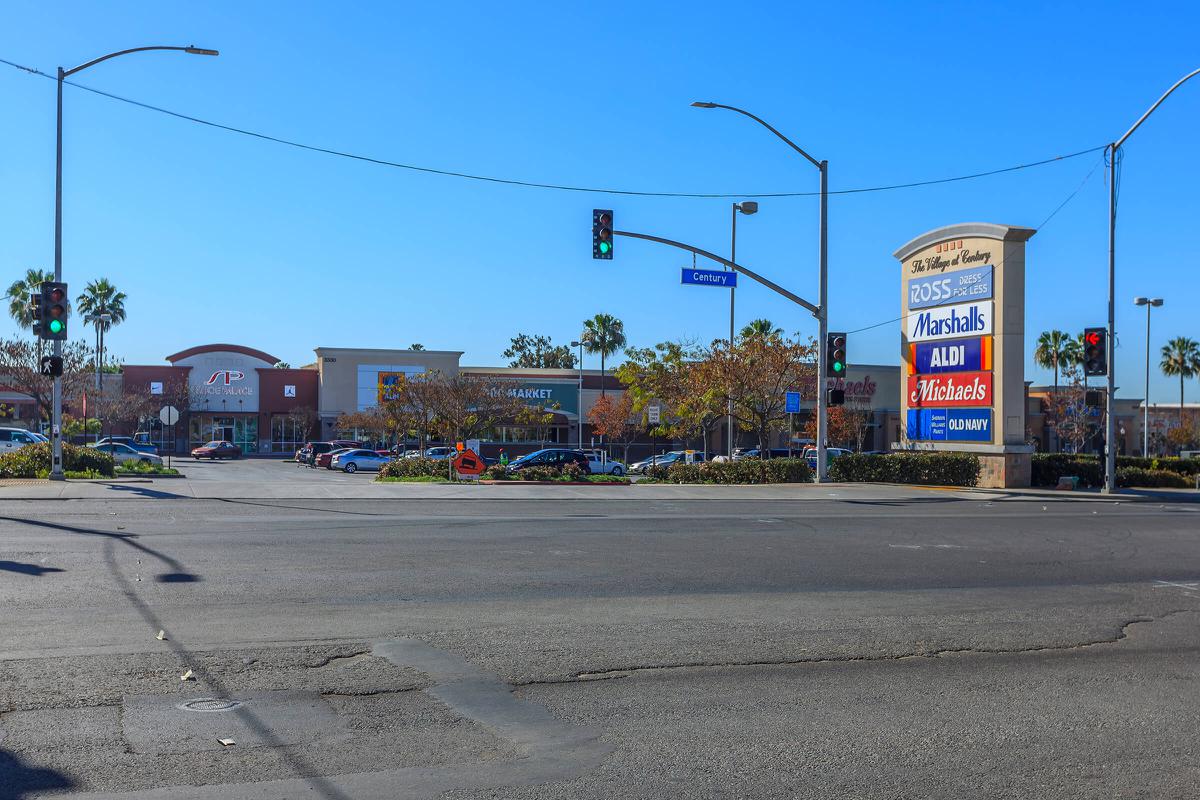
x=887 y=645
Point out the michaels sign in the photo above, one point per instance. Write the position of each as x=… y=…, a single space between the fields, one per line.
x=949 y=322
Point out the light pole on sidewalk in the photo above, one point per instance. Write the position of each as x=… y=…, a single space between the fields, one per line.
x=579 y=412
x=746 y=207
x=56 y=465
x=1149 y=303
x=823 y=299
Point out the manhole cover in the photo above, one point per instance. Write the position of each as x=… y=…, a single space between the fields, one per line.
x=209 y=704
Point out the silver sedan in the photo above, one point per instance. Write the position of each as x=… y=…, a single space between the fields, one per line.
x=354 y=460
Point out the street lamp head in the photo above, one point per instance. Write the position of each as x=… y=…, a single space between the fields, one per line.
x=699 y=104
x=1158 y=301
x=1140 y=301
x=200 y=51
x=747 y=207
x=576 y=344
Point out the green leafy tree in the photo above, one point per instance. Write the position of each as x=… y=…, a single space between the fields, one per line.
x=537 y=352
x=761 y=327
x=101 y=297
x=1181 y=356
x=603 y=334
x=19 y=307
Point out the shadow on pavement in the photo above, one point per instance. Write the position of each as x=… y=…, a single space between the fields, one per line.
x=154 y=494
x=19 y=781
x=27 y=569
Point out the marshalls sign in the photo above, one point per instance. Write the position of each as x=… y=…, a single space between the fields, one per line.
x=963 y=342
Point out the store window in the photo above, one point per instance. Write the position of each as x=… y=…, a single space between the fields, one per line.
x=287 y=434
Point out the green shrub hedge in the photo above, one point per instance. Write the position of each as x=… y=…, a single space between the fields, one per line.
x=1153 y=478
x=751 y=470
x=936 y=469
x=33 y=461
x=1047 y=468
x=415 y=468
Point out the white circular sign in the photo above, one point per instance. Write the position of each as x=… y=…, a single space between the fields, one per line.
x=169 y=415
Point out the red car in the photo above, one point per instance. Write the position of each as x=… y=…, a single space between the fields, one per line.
x=215 y=450
x=324 y=459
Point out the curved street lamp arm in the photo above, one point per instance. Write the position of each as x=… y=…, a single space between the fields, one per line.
x=766 y=125
x=95 y=61
x=1142 y=119
x=816 y=312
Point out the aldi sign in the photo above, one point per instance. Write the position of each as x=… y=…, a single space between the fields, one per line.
x=962 y=286
x=956 y=355
x=958 y=389
x=949 y=322
x=949 y=424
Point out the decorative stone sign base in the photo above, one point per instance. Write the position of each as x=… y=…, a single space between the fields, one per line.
x=1005 y=470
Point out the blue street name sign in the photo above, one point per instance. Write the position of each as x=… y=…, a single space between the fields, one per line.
x=709 y=277
x=791 y=403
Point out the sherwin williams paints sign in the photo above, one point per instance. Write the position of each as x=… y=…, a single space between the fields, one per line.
x=948 y=322
x=957 y=355
x=950 y=424
x=958 y=389
x=963 y=286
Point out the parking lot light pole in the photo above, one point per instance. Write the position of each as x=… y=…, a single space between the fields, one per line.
x=1149 y=303
x=56 y=465
x=579 y=412
x=1110 y=423
x=746 y=207
x=823 y=301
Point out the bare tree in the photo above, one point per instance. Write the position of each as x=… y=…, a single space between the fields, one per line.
x=20 y=364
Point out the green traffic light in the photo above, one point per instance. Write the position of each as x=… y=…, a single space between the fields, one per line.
x=605 y=247
x=56 y=326
x=838 y=366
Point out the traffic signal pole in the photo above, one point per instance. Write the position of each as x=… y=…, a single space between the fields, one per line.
x=56 y=462
x=822 y=333
x=1110 y=419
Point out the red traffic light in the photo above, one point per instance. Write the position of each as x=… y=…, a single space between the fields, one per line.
x=57 y=295
x=1092 y=338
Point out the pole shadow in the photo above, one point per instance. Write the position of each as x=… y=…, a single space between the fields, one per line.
x=19 y=781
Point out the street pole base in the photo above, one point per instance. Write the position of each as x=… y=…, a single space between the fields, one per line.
x=57 y=476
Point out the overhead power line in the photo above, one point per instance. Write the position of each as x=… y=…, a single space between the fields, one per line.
x=534 y=184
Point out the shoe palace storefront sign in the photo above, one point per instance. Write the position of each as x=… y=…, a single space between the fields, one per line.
x=963 y=340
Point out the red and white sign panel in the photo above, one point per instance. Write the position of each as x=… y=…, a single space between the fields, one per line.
x=949 y=390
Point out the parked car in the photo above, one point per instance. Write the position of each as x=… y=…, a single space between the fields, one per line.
x=217 y=449
x=308 y=453
x=326 y=459
x=600 y=464
x=352 y=460
x=137 y=443
x=810 y=455
x=438 y=453
x=551 y=457
x=346 y=443
x=123 y=453
x=774 y=452
x=16 y=438
x=663 y=460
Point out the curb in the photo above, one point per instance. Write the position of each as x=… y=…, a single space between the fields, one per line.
x=555 y=483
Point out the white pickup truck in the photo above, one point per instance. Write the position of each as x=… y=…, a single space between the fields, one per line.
x=600 y=464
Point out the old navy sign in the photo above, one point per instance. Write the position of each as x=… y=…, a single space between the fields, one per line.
x=951 y=322
x=949 y=424
x=962 y=286
x=955 y=355
x=957 y=389
x=709 y=277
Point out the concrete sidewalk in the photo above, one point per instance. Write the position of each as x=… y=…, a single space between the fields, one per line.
x=185 y=488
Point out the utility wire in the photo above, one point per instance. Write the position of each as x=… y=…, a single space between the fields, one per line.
x=533 y=184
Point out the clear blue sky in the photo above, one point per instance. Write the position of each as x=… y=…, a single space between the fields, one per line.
x=196 y=224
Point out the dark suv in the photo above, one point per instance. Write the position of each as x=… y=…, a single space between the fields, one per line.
x=308 y=454
x=554 y=458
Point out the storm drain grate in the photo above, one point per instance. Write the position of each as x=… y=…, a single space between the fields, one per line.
x=209 y=704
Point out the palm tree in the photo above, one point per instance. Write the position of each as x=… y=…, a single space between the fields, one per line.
x=101 y=297
x=603 y=334
x=1181 y=356
x=1055 y=350
x=761 y=327
x=19 y=307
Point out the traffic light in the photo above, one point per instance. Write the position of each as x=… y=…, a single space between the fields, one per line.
x=35 y=301
x=835 y=355
x=1095 y=351
x=602 y=233
x=837 y=397
x=51 y=366
x=52 y=312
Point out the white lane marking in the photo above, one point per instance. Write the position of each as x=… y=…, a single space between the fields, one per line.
x=931 y=546
x=1188 y=588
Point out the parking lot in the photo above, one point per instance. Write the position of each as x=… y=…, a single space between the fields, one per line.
x=255 y=470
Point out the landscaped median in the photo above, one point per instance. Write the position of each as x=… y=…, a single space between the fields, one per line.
x=1151 y=473
x=924 y=469
x=33 y=461
x=751 y=471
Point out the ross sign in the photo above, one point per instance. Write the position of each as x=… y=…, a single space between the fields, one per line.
x=962 y=286
x=957 y=355
x=948 y=322
x=653 y=412
x=169 y=415
x=791 y=403
x=468 y=463
x=722 y=279
x=959 y=389
x=949 y=424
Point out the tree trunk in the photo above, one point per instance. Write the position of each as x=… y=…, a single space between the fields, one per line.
x=601 y=376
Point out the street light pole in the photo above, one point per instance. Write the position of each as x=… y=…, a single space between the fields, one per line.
x=579 y=413
x=748 y=207
x=822 y=313
x=56 y=465
x=1149 y=303
x=1110 y=425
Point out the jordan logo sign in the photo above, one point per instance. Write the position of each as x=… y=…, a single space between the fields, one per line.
x=224 y=377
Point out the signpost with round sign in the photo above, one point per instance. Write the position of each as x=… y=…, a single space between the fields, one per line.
x=169 y=415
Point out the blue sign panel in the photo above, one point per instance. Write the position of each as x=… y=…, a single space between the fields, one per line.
x=792 y=403
x=953 y=355
x=710 y=277
x=949 y=424
x=963 y=286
